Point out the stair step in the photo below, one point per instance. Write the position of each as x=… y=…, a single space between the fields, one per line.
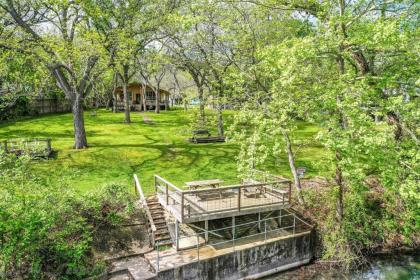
x=161 y=238
x=162 y=231
x=158 y=217
x=153 y=203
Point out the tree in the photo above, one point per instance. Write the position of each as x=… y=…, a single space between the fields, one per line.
x=346 y=71
x=126 y=28
x=184 y=47
x=66 y=48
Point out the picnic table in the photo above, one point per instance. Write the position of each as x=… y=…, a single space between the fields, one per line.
x=214 y=183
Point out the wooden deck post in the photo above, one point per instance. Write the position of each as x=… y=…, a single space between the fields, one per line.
x=239 y=199
x=279 y=219
x=182 y=206
x=290 y=192
x=206 y=227
x=259 y=221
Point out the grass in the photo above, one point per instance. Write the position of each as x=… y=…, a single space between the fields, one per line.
x=117 y=150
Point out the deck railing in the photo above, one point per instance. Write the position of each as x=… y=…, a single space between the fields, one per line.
x=188 y=204
x=287 y=224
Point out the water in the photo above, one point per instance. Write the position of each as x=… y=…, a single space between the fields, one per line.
x=396 y=267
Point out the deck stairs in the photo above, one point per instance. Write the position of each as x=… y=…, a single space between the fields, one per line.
x=161 y=234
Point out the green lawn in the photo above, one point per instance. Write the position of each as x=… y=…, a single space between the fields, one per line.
x=117 y=150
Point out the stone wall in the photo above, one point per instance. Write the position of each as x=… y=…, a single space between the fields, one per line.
x=249 y=263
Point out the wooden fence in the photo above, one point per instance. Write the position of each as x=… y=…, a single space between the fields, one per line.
x=50 y=105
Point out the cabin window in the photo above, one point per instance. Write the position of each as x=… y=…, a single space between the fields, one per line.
x=137 y=98
x=150 y=95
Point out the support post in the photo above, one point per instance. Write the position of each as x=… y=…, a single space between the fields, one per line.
x=294 y=223
x=239 y=199
x=259 y=221
x=206 y=227
x=182 y=206
x=279 y=219
x=176 y=235
x=265 y=230
x=198 y=247
x=233 y=231
x=290 y=192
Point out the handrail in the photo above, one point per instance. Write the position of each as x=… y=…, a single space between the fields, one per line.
x=233 y=239
x=144 y=202
x=235 y=187
x=167 y=182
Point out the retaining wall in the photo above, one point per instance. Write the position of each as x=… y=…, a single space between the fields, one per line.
x=251 y=263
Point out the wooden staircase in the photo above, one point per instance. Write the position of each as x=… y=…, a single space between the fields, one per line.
x=157 y=214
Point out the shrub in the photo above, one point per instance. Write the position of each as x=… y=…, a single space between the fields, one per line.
x=47 y=231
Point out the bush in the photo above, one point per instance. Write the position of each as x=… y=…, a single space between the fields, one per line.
x=13 y=107
x=47 y=231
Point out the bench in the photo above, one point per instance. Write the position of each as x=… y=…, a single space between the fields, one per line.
x=196 y=139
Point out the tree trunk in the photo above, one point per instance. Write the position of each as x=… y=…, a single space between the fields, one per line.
x=393 y=119
x=340 y=184
x=157 y=106
x=144 y=97
x=80 y=141
x=220 y=130
x=127 y=96
x=292 y=166
x=166 y=102
x=114 y=94
x=126 y=103
x=202 y=113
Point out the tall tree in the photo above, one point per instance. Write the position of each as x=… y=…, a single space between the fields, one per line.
x=56 y=33
x=126 y=28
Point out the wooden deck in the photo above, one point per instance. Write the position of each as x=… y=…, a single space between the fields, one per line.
x=189 y=206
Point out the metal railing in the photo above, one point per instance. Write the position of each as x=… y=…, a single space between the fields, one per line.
x=266 y=231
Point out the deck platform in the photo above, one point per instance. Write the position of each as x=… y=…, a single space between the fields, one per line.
x=189 y=206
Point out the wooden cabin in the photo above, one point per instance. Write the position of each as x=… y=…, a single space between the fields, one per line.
x=142 y=98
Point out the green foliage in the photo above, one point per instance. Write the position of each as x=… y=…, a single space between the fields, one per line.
x=46 y=231
x=195 y=121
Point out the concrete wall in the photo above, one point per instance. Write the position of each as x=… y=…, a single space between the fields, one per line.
x=250 y=263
